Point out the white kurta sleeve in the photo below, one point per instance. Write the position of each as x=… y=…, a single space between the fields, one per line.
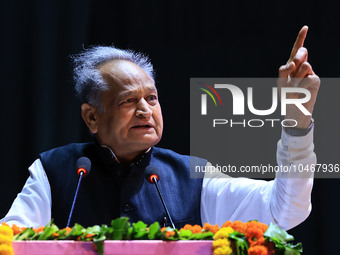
x=285 y=201
x=32 y=206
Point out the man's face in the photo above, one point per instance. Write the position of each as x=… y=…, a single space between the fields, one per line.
x=132 y=119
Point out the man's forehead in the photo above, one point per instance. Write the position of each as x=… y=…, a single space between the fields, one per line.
x=126 y=75
x=120 y=66
x=126 y=89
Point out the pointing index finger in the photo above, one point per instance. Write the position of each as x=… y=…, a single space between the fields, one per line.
x=298 y=42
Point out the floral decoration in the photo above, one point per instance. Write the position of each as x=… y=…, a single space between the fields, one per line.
x=233 y=238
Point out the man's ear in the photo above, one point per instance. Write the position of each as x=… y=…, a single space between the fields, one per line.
x=89 y=114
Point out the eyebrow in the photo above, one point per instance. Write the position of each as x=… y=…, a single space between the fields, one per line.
x=131 y=92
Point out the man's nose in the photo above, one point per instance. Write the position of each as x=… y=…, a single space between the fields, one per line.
x=143 y=109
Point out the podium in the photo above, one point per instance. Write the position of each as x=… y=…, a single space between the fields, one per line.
x=142 y=247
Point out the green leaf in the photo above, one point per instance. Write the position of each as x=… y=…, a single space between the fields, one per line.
x=107 y=232
x=99 y=245
x=36 y=236
x=185 y=234
x=60 y=234
x=281 y=238
x=120 y=226
x=49 y=229
x=140 y=225
x=278 y=234
x=241 y=243
x=154 y=231
x=101 y=236
x=76 y=231
x=128 y=234
x=203 y=236
x=140 y=230
x=93 y=230
x=291 y=249
x=24 y=235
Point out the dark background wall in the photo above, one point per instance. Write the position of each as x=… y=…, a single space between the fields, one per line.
x=184 y=39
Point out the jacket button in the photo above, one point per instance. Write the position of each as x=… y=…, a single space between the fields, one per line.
x=127 y=208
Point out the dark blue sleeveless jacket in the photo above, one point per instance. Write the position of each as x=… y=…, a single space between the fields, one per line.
x=111 y=190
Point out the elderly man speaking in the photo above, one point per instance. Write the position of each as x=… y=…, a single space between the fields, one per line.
x=120 y=106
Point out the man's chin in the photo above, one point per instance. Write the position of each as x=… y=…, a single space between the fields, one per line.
x=145 y=144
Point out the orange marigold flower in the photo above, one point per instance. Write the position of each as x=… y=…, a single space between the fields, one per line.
x=68 y=230
x=90 y=236
x=168 y=234
x=194 y=229
x=263 y=226
x=16 y=229
x=239 y=226
x=39 y=229
x=211 y=228
x=254 y=236
x=258 y=250
x=227 y=224
x=55 y=235
x=257 y=224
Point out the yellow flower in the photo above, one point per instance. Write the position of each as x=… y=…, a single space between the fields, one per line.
x=6 y=230
x=5 y=240
x=6 y=250
x=220 y=243
x=6 y=235
x=223 y=233
x=225 y=250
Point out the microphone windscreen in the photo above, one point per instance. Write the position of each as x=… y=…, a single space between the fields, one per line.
x=150 y=172
x=84 y=163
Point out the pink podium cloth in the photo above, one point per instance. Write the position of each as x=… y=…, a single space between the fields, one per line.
x=113 y=247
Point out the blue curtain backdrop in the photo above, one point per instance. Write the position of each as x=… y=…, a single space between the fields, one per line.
x=184 y=39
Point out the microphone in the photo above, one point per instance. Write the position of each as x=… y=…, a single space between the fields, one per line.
x=83 y=168
x=152 y=176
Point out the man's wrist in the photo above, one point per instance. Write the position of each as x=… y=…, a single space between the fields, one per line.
x=293 y=131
